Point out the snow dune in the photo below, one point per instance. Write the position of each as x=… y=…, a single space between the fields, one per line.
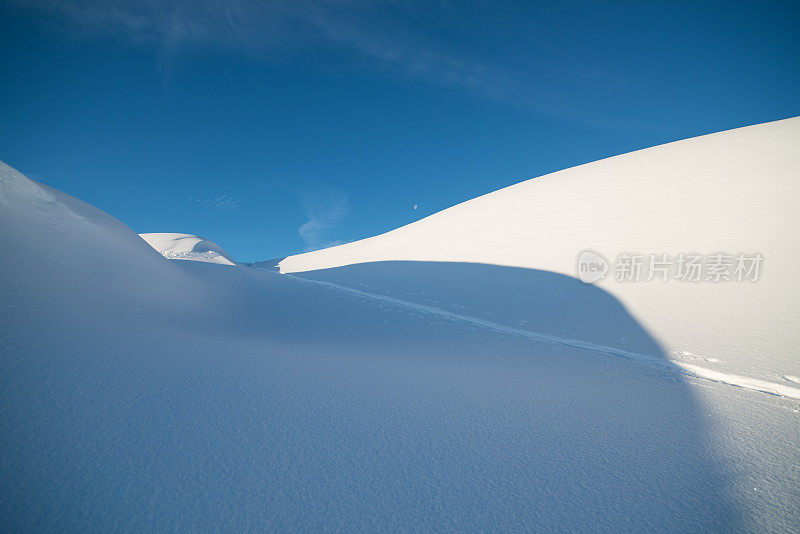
x=65 y=250
x=732 y=192
x=142 y=394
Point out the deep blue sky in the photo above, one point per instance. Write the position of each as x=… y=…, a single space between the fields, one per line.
x=274 y=127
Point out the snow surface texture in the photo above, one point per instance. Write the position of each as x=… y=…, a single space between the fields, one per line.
x=141 y=394
x=736 y=191
x=187 y=247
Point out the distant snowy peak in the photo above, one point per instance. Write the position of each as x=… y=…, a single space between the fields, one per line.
x=188 y=247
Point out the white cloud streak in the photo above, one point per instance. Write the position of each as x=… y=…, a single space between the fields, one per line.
x=221 y=202
x=325 y=209
x=388 y=35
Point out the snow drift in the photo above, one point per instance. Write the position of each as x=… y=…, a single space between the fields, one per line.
x=142 y=394
x=730 y=192
x=187 y=247
x=66 y=254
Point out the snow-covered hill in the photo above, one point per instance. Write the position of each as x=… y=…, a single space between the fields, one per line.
x=141 y=394
x=59 y=252
x=732 y=193
x=187 y=247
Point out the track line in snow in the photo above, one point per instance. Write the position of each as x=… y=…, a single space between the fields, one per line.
x=673 y=366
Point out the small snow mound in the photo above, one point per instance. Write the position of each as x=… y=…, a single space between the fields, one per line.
x=187 y=247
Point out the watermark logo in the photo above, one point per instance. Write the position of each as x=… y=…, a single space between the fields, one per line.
x=591 y=266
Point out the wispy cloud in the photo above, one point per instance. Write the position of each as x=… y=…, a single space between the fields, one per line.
x=325 y=209
x=221 y=202
x=389 y=35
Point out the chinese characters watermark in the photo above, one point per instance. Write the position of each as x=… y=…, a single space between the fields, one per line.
x=685 y=267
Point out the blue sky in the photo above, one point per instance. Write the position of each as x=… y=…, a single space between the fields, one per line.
x=277 y=127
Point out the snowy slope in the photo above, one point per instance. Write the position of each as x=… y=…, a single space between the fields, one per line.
x=142 y=394
x=58 y=247
x=187 y=247
x=733 y=192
